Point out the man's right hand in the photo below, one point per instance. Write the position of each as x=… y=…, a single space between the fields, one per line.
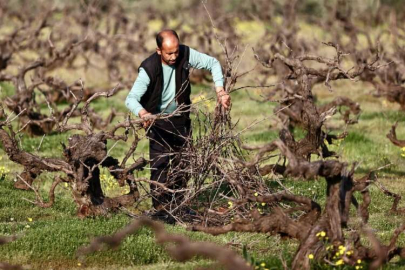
x=223 y=97
x=145 y=116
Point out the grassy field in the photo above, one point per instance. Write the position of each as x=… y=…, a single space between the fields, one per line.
x=49 y=238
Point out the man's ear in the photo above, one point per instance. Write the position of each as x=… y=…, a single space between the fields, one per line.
x=159 y=51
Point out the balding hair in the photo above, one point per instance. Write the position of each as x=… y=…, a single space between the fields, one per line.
x=161 y=35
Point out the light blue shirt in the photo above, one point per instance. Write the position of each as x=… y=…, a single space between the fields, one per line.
x=168 y=103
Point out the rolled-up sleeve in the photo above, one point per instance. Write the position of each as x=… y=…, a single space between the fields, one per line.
x=137 y=91
x=203 y=61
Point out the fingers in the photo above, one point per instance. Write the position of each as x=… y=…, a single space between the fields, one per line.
x=226 y=101
x=146 y=120
x=144 y=114
x=223 y=97
x=146 y=123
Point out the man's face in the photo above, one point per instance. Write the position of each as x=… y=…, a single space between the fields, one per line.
x=169 y=51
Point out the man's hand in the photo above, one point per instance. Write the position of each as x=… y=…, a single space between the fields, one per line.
x=145 y=115
x=223 y=97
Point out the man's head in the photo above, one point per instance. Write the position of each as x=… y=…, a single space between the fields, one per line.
x=167 y=42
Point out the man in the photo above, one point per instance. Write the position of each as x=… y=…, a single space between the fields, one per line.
x=163 y=85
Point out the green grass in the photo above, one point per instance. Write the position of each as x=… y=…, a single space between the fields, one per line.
x=6 y=89
x=55 y=234
x=53 y=237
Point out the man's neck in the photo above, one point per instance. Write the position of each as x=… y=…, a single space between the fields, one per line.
x=165 y=63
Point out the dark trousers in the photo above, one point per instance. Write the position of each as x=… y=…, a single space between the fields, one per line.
x=166 y=138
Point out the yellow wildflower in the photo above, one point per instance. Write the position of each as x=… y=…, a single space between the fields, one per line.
x=403 y=152
x=79 y=264
x=359 y=261
x=3 y=172
x=202 y=98
x=256 y=194
x=29 y=219
x=198 y=98
x=310 y=256
x=321 y=234
x=357 y=267
x=263 y=204
x=339 y=262
x=263 y=264
x=230 y=204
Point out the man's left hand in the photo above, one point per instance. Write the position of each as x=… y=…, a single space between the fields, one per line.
x=223 y=97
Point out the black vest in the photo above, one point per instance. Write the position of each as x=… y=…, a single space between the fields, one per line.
x=153 y=67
